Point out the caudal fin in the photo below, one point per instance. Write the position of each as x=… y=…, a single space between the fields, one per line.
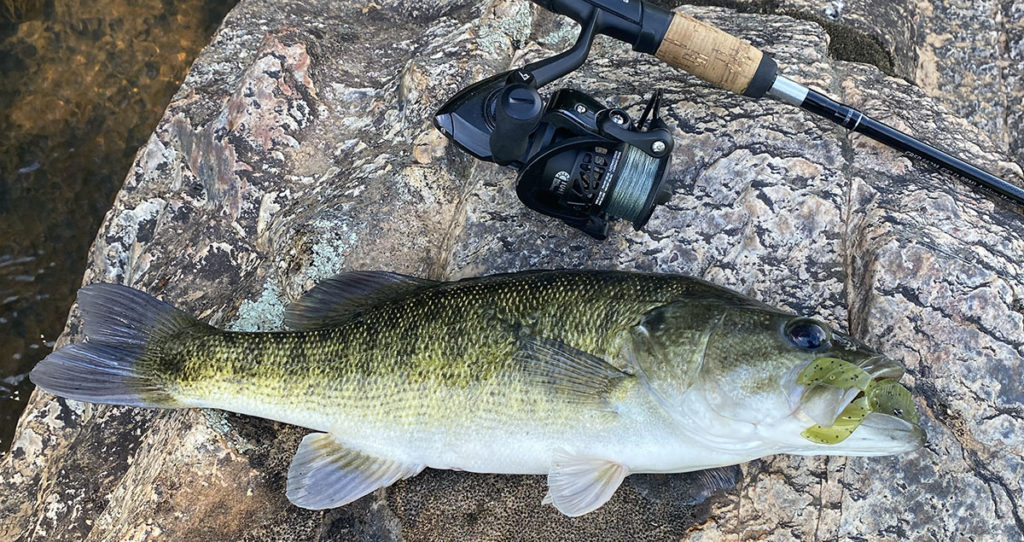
x=124 y=329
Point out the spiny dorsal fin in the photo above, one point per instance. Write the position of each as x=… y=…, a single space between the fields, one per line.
x=325 y=474
x=339 y=298
x=579 y=484
x=577 y=375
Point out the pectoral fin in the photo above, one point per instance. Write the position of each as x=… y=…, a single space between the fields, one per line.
x=576 y=375
x=578 y=485
x=325 y=474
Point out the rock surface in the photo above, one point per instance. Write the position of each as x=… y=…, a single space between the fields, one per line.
x=300 y=145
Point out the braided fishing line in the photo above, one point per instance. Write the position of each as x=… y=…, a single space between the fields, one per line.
x=632 y=184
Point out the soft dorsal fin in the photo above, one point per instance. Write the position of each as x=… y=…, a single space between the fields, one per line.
x=337 y=299
x=579 y=484
x=578 y=376
x=325 y=474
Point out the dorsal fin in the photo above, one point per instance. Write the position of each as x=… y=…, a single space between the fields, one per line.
x=339 y=298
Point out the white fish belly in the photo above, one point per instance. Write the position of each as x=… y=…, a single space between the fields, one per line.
x=635 y=432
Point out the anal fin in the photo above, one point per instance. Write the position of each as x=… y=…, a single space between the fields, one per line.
x=326 y=474
x=579 y=484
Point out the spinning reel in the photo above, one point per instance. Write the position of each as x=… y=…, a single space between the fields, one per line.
x=578 y=160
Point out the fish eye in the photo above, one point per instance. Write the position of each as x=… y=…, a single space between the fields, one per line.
x=807 y=334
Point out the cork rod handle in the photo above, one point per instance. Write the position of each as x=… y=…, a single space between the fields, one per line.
x=716 y=57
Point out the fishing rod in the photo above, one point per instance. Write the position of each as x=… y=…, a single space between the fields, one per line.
x=587 y=164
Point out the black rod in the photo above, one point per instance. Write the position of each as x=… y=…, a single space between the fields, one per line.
x=853 y=119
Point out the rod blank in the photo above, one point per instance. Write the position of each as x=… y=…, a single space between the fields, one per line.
x=787 y=91
x=735 y=65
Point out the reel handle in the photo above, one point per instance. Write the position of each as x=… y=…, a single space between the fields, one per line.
x=717 y=57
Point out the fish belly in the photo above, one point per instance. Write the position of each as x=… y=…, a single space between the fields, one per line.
x=472 y=430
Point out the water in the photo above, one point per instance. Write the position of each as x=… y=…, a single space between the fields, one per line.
x=83 y=85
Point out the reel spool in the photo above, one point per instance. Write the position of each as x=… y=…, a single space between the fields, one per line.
x=587 y=177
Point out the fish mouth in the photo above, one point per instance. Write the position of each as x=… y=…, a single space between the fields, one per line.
x=879 y=366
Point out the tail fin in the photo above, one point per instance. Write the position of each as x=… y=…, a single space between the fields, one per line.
x=123 y=327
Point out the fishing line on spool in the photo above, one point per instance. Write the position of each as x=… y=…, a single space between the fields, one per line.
x=633 y=183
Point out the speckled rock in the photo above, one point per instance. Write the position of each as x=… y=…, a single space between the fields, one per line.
x=300 y=146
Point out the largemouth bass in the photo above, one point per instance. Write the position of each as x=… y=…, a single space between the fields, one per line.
x=583 y=376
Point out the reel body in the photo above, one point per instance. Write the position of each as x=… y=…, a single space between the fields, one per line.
x=578 y=160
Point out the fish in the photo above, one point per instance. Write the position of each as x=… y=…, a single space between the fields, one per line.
x=583 y=376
